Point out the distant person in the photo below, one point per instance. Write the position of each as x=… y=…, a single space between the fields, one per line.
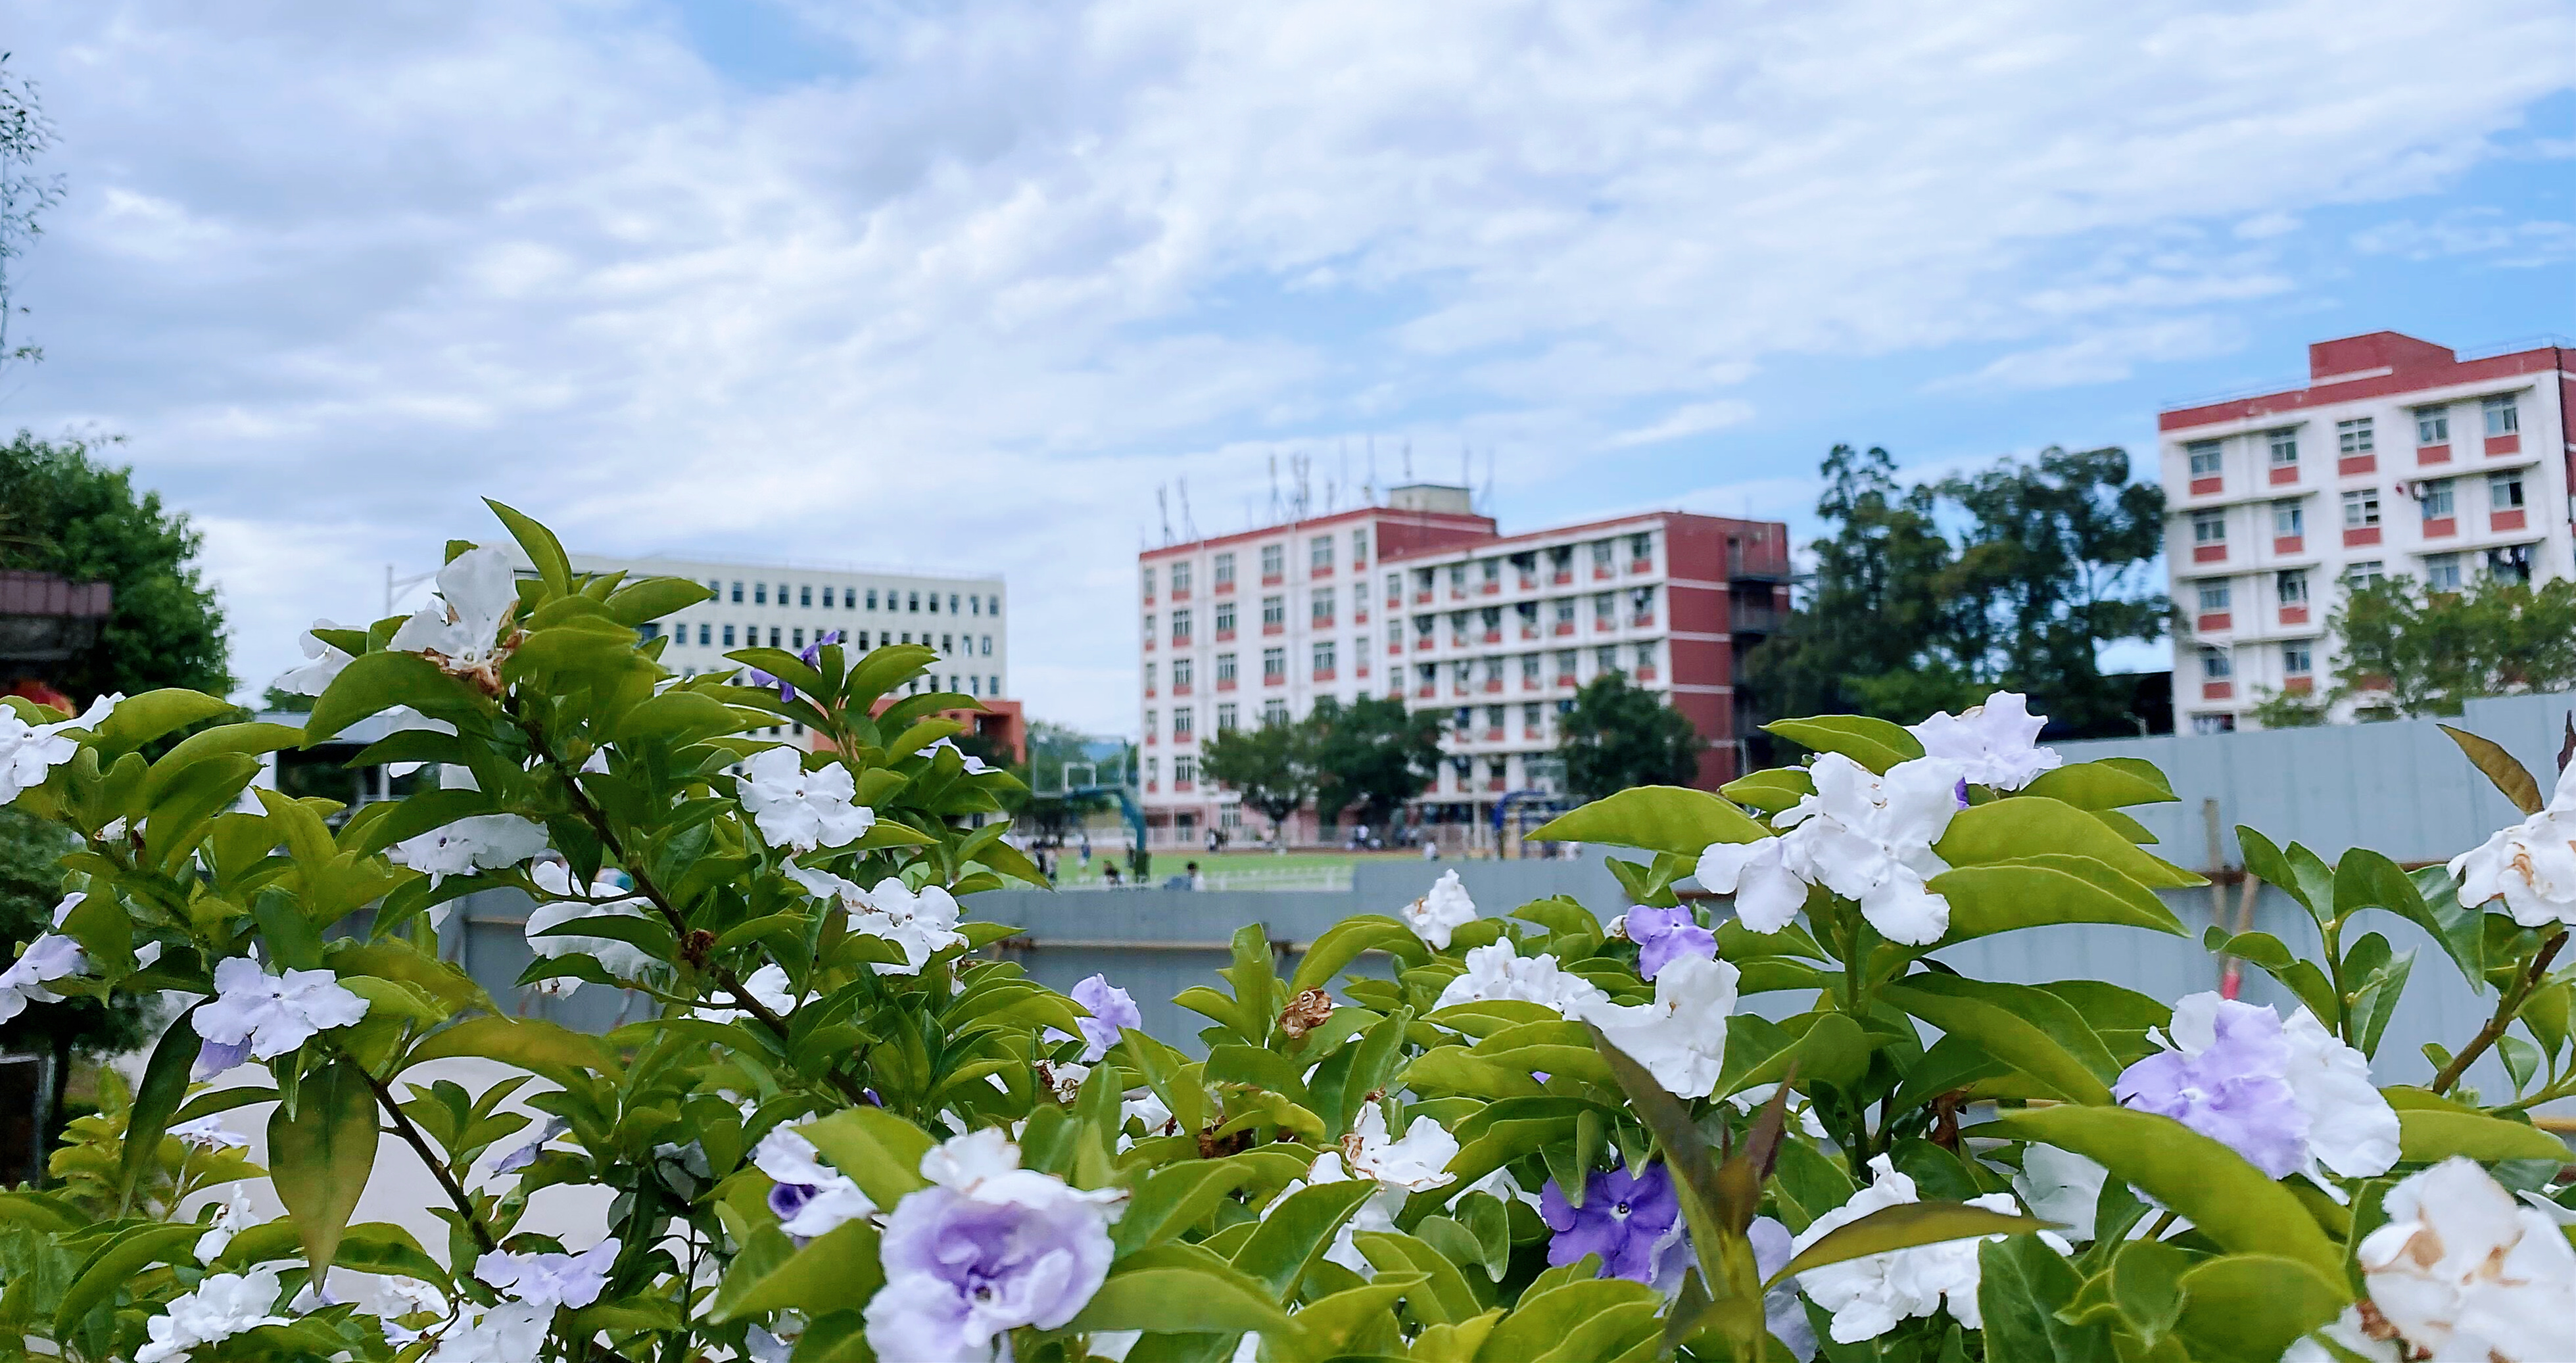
x=1109 y=874
x=1430 y=849
x=1196 y=877
x=1086 y=851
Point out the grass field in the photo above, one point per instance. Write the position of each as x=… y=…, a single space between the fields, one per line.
x=1239 y=869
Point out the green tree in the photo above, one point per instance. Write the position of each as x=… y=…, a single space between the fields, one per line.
x=1271 y=767
x=2412 y=651
x=1371 y=756
x=31 y=884
x=62 y=512
x=1618 y=736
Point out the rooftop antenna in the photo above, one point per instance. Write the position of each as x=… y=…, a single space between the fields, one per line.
x=1303 y=467
x=1372 y=471
x=1277 y=512
x=1189 y=523
x=1163 y=501
x=1408 y=461
x=1342 y=462
x=1489 y=480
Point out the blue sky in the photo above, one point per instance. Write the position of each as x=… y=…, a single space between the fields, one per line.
x=961 y=285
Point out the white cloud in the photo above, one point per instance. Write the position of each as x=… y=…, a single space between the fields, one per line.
x=1695 y=418
x=339 y=269
x=2472 y=231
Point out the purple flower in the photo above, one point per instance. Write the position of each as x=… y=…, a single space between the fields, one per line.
x=989 y=1247
x=1665 y=935
x=1111 y=1010
x=2232 y=1090
x=1622 y=1219
x=812 y=654
x=1784 y=1312
x=215 y=1057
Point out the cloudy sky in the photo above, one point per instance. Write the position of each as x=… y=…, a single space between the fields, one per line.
x=960 y=284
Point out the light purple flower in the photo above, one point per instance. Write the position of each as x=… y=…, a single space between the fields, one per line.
x=810 y=1197
x=811 y=655
x=2233 y=1091
x=1623 y=1219
x=1111 y=1009
x=1663 y=935
x=273 y=1014
x=525 y=1155
x=550 y=1280
x=216 y=1057
x=989 y=1247
x=1784 y=1312
x=49 y=958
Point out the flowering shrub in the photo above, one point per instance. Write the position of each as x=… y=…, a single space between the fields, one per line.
x=847 y=1135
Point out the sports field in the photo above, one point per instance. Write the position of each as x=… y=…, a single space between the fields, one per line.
x=1241 y=870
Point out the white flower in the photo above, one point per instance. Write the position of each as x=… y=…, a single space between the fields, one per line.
x=2465 y=1272
x=550 y=1280
x=1680 y=1037
x=2351 y=1333
x=975 y=766
x=984 y=1166
x=274 y=1014
x=922 y=923
x=812 y=1198
x=1767 y=893
x=2333 y=1116
x=769 y=985
x=397 y=1296
x=1997 y=742
x=230 y=1217
x=1748 y=1100
x=1145 y=1106
x=222 y=1306
x=478 y=842
x=2062 y=1186
x=2531 y=865
x=1376 y=1214
x=461 y=629
x=802 y=809
x=1497 y=971
x=620 y=959
x=1442 y=911
x=1870 y=1294
x=29 y=751
x=322 y=663
x=209 y=1133
x=49 y=958
x=1866 y=837
x=511 y=1330
x=1418 y=1162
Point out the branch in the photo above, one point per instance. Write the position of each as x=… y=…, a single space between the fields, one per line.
x=437 y=1163
x=2506 y=1007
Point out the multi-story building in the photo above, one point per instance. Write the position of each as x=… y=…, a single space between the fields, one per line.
x=2398 y=457
x=1425 y=600
x=783 y=605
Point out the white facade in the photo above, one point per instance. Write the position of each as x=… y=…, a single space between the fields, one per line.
x=2398 y=459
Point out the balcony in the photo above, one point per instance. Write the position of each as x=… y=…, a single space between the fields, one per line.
x=1274 y=627
x=1493 y=684
x=1359 y=615
x=1529 y=681
x=1273 y=579
x=2299 y=686
x=1321 y=622
x=1152 y=737
x=1493 y=636
x=1564 y=627
x=1425 y=692
x=1529 y=632
x=1601 y=572
x=2510 y=443
x=1180 y=688
x=1531 y=733
x=2289 y=544
x=1225 y=683
x=2284 y=474
x=1489 y=589
x=1224 y=586
x=1566 y=680
x=1639 y=566
x=1560 y=577
x=1320 y=570
x=1179 y=787
x=2356 y=536
x=1420 y=598
x=2209 y=553
x=1180 y=641
x=1494 y=735
x=1361 y=671
x=1225 y=636
x=2506 y=520
x=1604 y=624
x=1323 y=674
x=2352 y=464
x=1394 y=647
x=1529 y=584
x=1274 y=679
x=2441 y=527
x=2294 y=615
x=1642 y=620
x=2217 y=690
x=2207 y=487
x=1645 y=674
x=2215 y=622
x=1421 y=643
x=1149 y=643
x=2432 y=454
x=1495 y=783
x=1180 y=594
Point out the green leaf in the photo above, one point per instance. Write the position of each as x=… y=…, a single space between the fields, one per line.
x=2249 y=1308
x=1297 y=1230
x=2427 y=1136
x=2028 y=827
x=1169 y=1202
x=1180 y=1289
x=836 y=1269
x=320 y=1156
x=1343 y=942
x=880 y=1151
x=165 y=1084
x=1671 y=819
x=1874 y=743
x=1770 y=791
x=2501 y=767
x=654 y=597
x=376 y=682
x=115 y=1263
x=2044 y=889
x=138 y=720
x=238 y=739
x=2112 y=783
x=2027 y=1028
x=2022 y=1285
x=544 y=551
x=2226 y=1198
x=2146 y=1286
x=1904 y=1226
x=531 y=1043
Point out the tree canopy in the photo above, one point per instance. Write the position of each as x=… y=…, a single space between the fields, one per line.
x=63 y=512
x=2412 y=651
x=1371 y=755
x=1271 y=767
x=1927 y=596
x=1618 y=736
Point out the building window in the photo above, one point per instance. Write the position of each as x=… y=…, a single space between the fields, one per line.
x=1185 y=770
x=946 y=647
x=1319 y=553
x=1180 y=629
x=2442 y=572
x=2290 y=518
x=1565 y=611
x=1565 y=663
x=728 y=636
x=1274 y=611
x=1225 y=719
x=1184 y=723
x=1491 y=572
x=2361 y=508
x=2502 y=417
x=737 y=593
x=1394 y=588
x=872 y=598
x=2504 y=491
x=1180 y=578
x=992 y=605
x=1224 y=618
x=760 y=593
x=2203 y=455
x=1153 y=721
x=2512 y=563
x=2214 y=596
x=1183 y=672
x=974 y=604
x=1274 y=664
x=1606 y=658
x=1529 y=668
x=1321 y=607
x=987 y=649
x=2216 y=665
x=2438 y=499
x=1359 y=548
x=799 y=641
x=2354 y=436
x=2213 y=724
x=2295 y=659
x=1149 y=627
x=1646 y=656
x=1274 y=712
x=1604 y=606
x=1274 y=561
x=804 y=596
x=1149 y=679
x=914 y=600
x=1359 y=653
x=1324 y=655
x=773 y=636
x=2285 y=447
x=1224 y=573
x=2291 y=585
x=827 y=598
x=2366 y=573
x=2432 y=425
x=1225 y=669
x=1153 y=770
x=2209 y=527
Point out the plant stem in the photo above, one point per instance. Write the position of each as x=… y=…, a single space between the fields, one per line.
x=2163 y=1223
x=437 y=1163
x=2506 y=1007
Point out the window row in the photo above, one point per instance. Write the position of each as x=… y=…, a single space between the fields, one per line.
x=1182 y=574
x=2498 y=415
x=708 y=634
x=1487 y=573
x=850 y=598
x=2435 y=498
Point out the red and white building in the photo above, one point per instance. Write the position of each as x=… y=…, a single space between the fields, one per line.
x=1424 y=599
x=2398 y=457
